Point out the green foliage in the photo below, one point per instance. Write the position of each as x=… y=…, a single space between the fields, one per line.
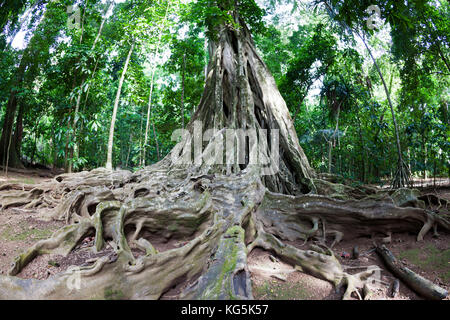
x=311 y=50
x=214 y=13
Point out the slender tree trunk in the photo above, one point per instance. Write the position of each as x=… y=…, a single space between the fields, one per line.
x=74 y=150
x=434 y=169
x=182 y=90
x=18 y=132
x=408 y=153
x=70 y=149
x=140 y=141
x=82 y=21
x=336 y=130
x=149 y=108
x=54 y=150
x=147 y=127
x=333 y=139
x=156 y=138
x=8 y=124
x=129 y=150
x=36 y=133
x=401 y=182
x=8 y=151
x=330 y=148
x=97 y=38
x=363 y=158
x=425 y=156
x=388 y=98
x=116 y=105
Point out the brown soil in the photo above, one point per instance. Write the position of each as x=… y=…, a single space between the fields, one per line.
x=19 y=230
x=294 y=285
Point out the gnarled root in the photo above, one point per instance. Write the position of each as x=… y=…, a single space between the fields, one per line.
x=213 y=220
x=317 y=261
x=220 y=220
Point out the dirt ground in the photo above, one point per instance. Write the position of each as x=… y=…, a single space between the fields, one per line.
x=271 y=278
x=274 y=279
x=20 y=229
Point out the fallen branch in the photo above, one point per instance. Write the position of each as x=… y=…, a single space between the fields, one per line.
x=419 y=284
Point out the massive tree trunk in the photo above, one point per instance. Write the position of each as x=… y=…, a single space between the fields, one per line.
x=240 y=93
x=213 y=213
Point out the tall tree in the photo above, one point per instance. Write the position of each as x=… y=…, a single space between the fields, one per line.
x=82 y=88
x=156 y=53
x=351 y=22
x=109 y=161
x=35 y=55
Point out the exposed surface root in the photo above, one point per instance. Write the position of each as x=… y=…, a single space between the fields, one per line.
x=402 y=177
x=81 y=192
x=222 y=221
x=319 y=261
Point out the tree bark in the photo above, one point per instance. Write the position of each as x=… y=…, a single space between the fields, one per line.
x=74 y=150
x=116 y=106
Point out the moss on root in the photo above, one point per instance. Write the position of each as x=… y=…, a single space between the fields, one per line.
x=276 y=290
x=218 y=284
x=10 y=234
x=113 y=294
